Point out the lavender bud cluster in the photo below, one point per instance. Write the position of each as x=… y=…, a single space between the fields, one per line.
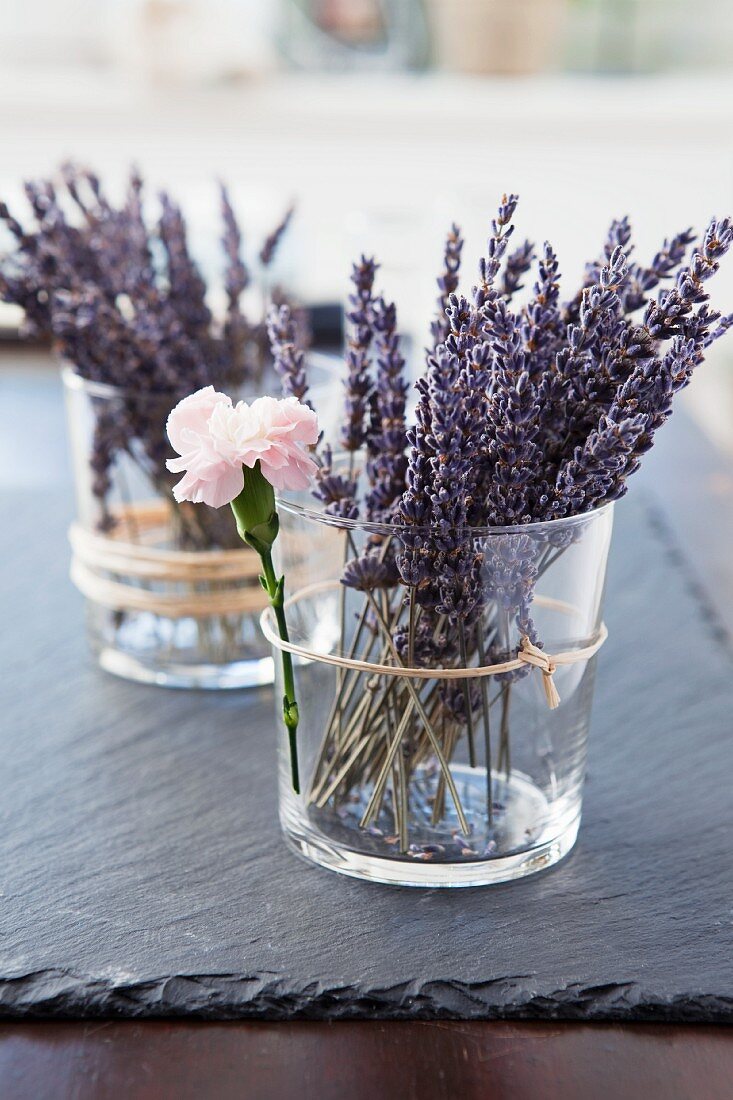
x=386 y=442
x=125 y=303
x=361 y=331
x=526 y=413
x=447 y=282
x=288 y=357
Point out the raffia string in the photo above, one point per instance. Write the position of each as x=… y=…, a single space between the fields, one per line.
x=528 y=654
x=141 y=576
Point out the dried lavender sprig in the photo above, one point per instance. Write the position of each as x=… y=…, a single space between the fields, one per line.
x=236 y=281
x=288 y=358
x=416 y=557
x=449 y=473
x=682 y=309
x=366 y=573
x=358 y=383
x=471 y=388
x=123 y=310
x=186 y=287
x=387 y=465
x=665 y=318
x=594 y=473
x=542 y=327
x=512 y=426
x=517 y=265
x=447 y=282
x=649 y=391
x=489 y=265
x=236 y=275
x=644 y=279
x=724 y=323
x=618 y=237
x=598 y=302
x=272 y=241
x=337 y=492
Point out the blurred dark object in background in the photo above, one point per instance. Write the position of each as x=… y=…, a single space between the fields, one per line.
x=367 y=35
x=326 y=325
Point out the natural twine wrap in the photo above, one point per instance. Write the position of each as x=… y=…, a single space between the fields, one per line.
x=141 y=576
x=528 y=654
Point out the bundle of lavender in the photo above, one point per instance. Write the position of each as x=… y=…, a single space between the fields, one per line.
x=530 y=419
x=125 y=304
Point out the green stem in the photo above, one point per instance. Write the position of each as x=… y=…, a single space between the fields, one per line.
x=275 y=591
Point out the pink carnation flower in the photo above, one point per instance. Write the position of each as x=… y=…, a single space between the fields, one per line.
x=215 y=439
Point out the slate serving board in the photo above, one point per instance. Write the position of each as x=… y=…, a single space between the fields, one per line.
x=142 y=871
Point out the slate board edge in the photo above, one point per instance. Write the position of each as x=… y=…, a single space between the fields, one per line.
x=56 y=993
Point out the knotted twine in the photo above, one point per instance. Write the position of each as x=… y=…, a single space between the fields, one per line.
x=527 y=654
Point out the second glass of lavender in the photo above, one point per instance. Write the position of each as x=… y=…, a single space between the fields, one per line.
x=436 y=781
x=172 y=595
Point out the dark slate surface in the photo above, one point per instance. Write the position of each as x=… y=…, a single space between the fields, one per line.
x=142 y=871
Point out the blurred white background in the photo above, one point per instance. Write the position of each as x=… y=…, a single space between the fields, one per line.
x=387 y=119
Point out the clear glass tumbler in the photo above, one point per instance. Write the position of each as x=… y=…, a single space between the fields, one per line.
x=443 y=777
x=172 y=595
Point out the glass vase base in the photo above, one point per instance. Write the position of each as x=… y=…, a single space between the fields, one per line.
x=548 y=836
x=255 y=672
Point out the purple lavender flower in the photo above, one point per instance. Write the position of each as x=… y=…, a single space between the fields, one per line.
x=649 y=392
x=271 y=243
x=643 y=279
x=366 y=573
x=416 y=558
x=618 y=237
x=595 y=472
x=387 y=464
x=511 y=567
x=512 y=428
x=358 y=383
x=667 y=316
x=127 y=306
x=186 y=288
x=447 y=483
x=236 y=280
x=337 y=492
x=518 y=264
x=288 y=358
x=541 y=324
x=447 y=282
x=501 y=231
x=520 y=418
x=430 y=646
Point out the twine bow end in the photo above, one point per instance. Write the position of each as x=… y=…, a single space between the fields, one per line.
x=533 y=655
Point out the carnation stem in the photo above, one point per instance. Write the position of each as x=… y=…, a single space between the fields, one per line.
x=275 y=590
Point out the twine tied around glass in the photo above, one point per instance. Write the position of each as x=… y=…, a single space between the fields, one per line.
x=527 y=654
x=144 y=576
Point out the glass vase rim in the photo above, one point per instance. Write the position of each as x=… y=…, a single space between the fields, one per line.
x=370 y=527
x=73 y=380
